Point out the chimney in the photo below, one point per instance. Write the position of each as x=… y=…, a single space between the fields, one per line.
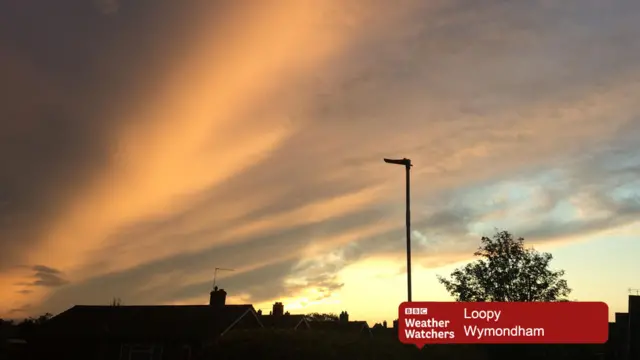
x=384 y=324
x=395 y=325
x=278 y=309
x=622 y=329
x=634 y=327
x=217 y=297
x=259 y=311
x=344 y=317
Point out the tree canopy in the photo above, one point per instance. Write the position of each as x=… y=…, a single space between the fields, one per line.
x=507 y=271
x=322 y=317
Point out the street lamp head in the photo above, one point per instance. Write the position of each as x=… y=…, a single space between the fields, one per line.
x=404 y=161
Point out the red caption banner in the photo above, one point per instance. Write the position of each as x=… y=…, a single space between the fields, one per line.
x=423 y=323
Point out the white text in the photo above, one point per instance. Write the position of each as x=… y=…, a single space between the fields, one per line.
x=428 y=334
x=502 y=332
x=426 y=323
x=489 y=315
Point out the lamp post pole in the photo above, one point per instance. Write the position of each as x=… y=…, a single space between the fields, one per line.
x=407 y=165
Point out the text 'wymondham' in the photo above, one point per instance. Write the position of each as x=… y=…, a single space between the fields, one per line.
x=516 y=331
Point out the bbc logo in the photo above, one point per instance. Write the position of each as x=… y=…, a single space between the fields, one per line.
x=415 y=311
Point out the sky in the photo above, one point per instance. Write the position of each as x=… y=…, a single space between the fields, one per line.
x=145 y=143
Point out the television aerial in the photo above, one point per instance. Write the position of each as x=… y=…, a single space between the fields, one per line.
x=215 y=274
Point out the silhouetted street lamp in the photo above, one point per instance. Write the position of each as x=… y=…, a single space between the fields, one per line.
x=407 y=165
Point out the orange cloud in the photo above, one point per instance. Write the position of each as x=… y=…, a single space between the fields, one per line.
x=260 y=144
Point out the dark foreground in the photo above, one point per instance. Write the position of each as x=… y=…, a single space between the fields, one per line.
x=309 y=345
x=313 y=344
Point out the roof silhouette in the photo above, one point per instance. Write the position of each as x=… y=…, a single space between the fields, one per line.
x=351 y=326
x=183 y=321
x=282 y=321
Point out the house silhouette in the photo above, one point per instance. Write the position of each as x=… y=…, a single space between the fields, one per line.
x=624 y=333
x=342 y=325
x=278 y=319
x=142 y=332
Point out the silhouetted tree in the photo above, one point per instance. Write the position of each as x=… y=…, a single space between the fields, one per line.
x=42 y=318
x=6 y=328
x=26 y=327
x=507 y=271
x=322 y=317
x=46 y=317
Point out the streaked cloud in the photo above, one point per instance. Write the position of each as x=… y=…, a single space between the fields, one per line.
x=107 y=7
x=143 y=153
x=43 y=276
